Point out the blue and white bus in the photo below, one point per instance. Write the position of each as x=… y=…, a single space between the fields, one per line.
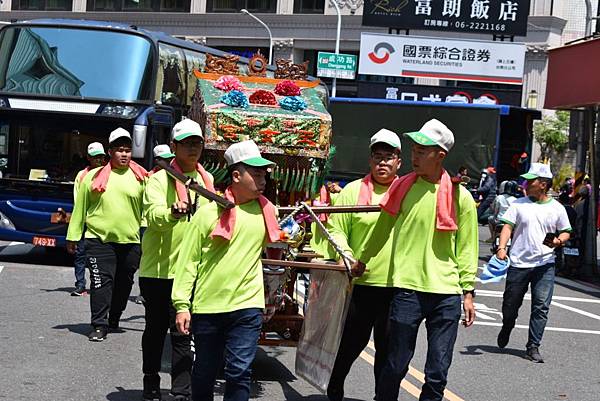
x=66 y=83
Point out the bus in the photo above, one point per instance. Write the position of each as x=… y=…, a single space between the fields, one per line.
x=66 y=83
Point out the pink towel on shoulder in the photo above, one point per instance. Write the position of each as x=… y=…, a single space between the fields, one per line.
x=180 y=187
x=366 y=190
x=445 y=210
x=85 y=171
x=324 y=200
x=226 y=223
x=101 y=178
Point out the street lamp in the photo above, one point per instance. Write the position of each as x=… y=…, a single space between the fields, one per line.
x=337 y=41
x=244 y=11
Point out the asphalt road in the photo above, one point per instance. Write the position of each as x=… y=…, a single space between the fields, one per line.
x=45 y=354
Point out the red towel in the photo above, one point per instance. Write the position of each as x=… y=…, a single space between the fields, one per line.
x=180 y=187
x=84 y=173
x=324 y=200
x=226 y=224
x=366 y=190
x=101 y=178
x=445 y=211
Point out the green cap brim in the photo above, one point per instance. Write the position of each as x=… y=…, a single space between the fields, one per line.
x=529 y=176
x=258 y=162
x=166 y=155
x=181 y=137
x=96 y=153
x=421 y=138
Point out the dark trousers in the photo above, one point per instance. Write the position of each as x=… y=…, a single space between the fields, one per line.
x=368 y=311
x=79 y=264
x=112 y=267
x=160 y=317
x=518 y=279
x=408 y=309
x=233 y=336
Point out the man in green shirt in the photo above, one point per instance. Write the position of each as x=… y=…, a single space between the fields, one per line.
x=218 y=286
x=167 y=216
x=372 y=292
x=435 y=250
x=109 y=208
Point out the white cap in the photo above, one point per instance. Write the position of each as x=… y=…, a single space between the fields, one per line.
x=388 y=137
x=186 y=128
x=95 y=149
x=538 y=170
x=433 y=133
x=163 y=151
x=246 y=152
x=118 y=133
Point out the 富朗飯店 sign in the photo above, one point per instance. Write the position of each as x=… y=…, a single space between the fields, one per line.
x=499 y=17
x=463 y=60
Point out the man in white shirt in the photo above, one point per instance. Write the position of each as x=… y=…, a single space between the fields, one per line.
x=538 y=224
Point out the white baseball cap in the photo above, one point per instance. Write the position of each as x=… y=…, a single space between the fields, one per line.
x=163 y=151
x=118 y=133
x=433 y=133
x=186 y=128
x=95 y=149
x=538 y=170
x=388 y=137
x=246 y=152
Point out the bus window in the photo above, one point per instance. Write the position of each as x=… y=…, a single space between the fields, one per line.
x=195 y=62
x=3 y=147
x=171 y=82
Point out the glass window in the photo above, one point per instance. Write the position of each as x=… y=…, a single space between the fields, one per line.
x=195 y=62
x=139 y=5
x=171 y=75
x=50 y=5
x=309 y=6
x=75 y=62
x=261 y=6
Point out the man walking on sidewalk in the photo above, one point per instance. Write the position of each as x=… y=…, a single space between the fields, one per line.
x=167 y=207
x=435 y=249
x=96 y=158
x=218 y=286
x=538 y=225
x=109 y=207
x=370 y=302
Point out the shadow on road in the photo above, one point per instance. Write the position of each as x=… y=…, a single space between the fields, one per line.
x=124 y=395
x=77 y=328
x=492 y=349
x=59 y=289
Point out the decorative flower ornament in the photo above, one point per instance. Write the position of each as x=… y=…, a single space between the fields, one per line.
x=228 y=83
x=287 y=88
x=262 y=96
x=292 y=103
x=235 y=98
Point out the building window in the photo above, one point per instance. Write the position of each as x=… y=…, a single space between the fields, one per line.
x=234 y=6
x=43 y=5
x=309 y=6
x=138 y=5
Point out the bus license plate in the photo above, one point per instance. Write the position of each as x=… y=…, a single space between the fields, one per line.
x=571 y=251
x=44 y=241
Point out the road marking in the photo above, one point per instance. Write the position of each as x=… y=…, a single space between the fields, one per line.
x=560 y=329
x=406 y=385
x=1 y=268
x=581 y=312
x=499 y=294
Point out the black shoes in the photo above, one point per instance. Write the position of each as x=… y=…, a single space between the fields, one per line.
x=503 y=337
x=151 y=390
x=98 y=334
x=533 y=354
x=79 y=292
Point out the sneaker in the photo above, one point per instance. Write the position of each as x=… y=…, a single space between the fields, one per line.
x=503 y=337
x=79 y=292
x=151 y=390
x=139 y=300
x=98 y=334
x=153 y=395
x=533 y=354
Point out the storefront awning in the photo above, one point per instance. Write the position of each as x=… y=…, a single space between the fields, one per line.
x=574 y=76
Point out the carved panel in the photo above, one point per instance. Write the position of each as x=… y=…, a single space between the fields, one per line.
x=288 y=70
x=227 y=65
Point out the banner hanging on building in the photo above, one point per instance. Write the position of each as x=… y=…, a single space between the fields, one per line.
x=464 y=60
x=499 y=17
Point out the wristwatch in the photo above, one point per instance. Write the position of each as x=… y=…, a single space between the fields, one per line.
x=472 y=292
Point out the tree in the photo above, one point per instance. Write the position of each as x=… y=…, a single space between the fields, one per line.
x=552 y=134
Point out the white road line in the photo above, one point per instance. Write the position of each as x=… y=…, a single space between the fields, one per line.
x=498 y=294
x=581 y=312
x=481 y=315
x=1 y=268
x=522 y=326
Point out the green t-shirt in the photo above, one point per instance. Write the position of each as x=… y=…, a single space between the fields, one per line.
x=112 y=216
x=352 y=230
x=425 y=259
x=224 y=276
x=318 y=242
x=162 y=239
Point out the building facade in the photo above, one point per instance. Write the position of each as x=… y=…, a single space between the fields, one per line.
x=300 y=28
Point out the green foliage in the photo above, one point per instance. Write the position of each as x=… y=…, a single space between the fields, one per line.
x=552 y=134
x=564 y=172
